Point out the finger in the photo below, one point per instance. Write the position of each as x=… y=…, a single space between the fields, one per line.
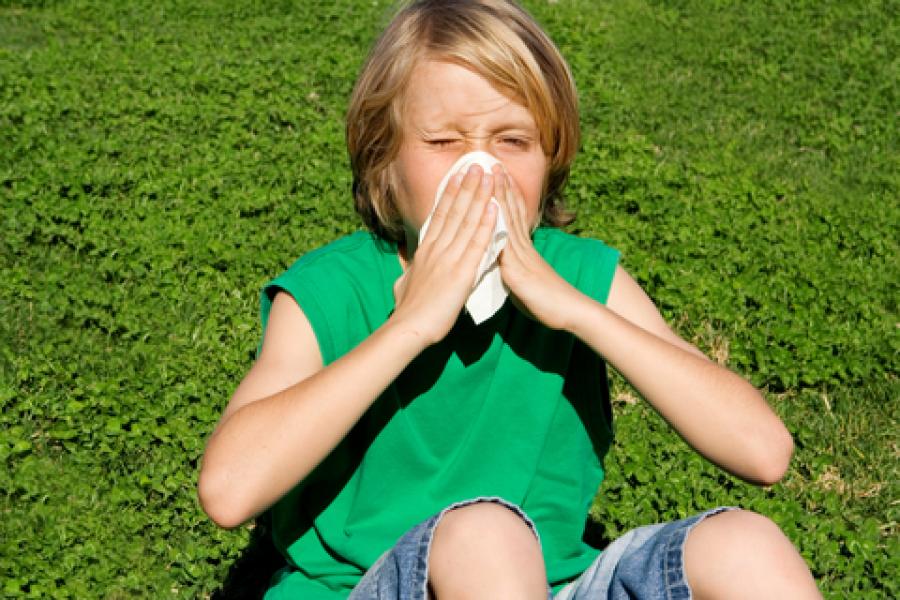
x=460 y=204
x=515 y=240
x=439 y=217
x=504 y=194
x=400 y=287
x=512 y=213
x=501 y=193
x=500 y=189
x=518 y=204
x=477 y=245
x=475 y=211
x=519 y=236
x=526 y=223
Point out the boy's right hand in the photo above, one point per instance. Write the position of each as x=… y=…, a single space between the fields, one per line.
x=431 y=293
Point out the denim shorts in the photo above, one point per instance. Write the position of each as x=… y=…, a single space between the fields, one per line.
x=647 y=562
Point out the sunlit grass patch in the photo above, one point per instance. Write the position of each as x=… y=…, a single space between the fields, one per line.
x=159 y=161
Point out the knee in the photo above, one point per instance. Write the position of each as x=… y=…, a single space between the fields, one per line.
x=486 y=529
x=486 y=546
x=731 y=546
x=484 y=524
x=741 y=533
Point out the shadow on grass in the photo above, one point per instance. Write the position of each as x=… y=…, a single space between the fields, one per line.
x=249 y=575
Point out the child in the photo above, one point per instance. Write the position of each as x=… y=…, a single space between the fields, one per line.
x=404 y=451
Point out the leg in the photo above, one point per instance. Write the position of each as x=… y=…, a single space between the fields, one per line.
x=485 y=550
x=741 y=554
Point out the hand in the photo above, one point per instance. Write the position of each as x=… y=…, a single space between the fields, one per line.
x=431 y=293
x=536 y=288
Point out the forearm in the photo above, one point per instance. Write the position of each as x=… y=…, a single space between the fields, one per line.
x=717 y=412
x=265 y=448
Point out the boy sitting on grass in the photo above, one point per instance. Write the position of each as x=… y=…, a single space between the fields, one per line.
x=406 y=452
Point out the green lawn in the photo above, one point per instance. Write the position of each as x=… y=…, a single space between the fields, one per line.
x=159 y=161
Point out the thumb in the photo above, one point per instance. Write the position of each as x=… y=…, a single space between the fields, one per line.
x=399 y=288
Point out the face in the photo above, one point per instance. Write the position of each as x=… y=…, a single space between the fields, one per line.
x=449 y=111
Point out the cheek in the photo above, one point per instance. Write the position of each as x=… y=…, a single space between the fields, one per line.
x=415 y=183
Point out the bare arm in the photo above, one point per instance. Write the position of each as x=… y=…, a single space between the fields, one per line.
x=717 y=412
x=289 y=412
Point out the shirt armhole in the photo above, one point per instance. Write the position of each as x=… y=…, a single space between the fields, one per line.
x=311 y=306
x=606 y=259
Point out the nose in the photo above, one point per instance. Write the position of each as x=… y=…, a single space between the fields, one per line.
x=479 y=143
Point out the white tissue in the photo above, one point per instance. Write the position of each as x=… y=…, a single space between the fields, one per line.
x=488 y=292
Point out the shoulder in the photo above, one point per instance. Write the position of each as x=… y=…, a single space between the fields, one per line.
x=629 y=300
x=349 y=253
x=588 y=264
x=341 y=288
x=346 y=263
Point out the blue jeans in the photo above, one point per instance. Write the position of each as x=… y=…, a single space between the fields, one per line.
x=647 y=562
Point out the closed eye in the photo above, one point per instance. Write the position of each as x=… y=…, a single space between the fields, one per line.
x=516 y=142
x=442 y=142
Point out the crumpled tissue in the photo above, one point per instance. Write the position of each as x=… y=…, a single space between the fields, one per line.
x=488 y=292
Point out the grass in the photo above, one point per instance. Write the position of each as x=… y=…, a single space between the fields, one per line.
x=160 y=161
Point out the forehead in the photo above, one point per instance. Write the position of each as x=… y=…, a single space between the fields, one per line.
x=443 y=94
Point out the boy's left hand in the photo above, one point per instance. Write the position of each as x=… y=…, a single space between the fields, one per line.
x=536 y=288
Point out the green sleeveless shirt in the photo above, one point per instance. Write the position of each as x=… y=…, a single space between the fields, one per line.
x=508 y=408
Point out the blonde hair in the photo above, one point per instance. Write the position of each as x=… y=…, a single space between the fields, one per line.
x=496 y=39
